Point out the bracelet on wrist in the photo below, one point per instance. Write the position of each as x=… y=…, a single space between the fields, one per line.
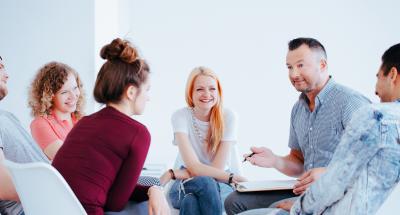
x=171 y=171
x=230 y=178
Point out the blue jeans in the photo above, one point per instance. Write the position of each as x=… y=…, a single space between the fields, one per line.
x=199 y=195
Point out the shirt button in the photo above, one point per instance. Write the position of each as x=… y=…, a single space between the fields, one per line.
x=310 y=128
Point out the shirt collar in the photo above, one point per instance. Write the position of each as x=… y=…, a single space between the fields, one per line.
x=398 y=100
x=73 y=118
x=323 y=94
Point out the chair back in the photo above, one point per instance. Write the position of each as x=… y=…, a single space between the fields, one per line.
x=42 y=190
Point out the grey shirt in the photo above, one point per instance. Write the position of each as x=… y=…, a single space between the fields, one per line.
x=316 y=134
x=17 y=146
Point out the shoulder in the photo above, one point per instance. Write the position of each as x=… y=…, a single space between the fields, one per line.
x=39 y=121
x=181 y=113
x=346 y=94
x=6 y=116
x=386 y=110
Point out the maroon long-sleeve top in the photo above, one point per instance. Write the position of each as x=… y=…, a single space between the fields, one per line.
x=101 y=159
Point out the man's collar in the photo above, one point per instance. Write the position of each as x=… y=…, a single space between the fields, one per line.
x=323 y=94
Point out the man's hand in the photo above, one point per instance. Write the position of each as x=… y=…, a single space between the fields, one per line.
x=307 y=179
x=285 y=205
x=262 y=157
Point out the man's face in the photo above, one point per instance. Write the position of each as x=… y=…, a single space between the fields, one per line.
x=305 y=68
x=3 y=80
x=383 y=87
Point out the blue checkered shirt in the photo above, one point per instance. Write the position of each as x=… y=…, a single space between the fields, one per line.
x=316 y=134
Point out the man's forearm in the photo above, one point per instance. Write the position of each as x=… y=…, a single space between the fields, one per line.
x=289 y=166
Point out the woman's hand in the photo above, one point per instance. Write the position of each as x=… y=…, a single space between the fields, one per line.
x=179 y=174
x=165 y=178
x=238 y=178
x=158 y=205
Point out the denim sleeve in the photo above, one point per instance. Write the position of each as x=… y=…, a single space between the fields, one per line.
x=359 y=144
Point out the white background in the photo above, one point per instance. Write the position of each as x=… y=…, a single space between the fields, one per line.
x=244 y=42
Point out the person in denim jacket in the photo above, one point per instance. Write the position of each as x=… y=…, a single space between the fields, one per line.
x=366 y=165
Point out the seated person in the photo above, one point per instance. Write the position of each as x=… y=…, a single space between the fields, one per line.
x=204 y=132
x=103 y=155
x=366 y=164
x=57 y=104
x=15 y=145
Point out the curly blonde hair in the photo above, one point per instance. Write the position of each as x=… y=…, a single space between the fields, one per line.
x=47 y=82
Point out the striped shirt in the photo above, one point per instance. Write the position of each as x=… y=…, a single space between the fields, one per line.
x=316 y=134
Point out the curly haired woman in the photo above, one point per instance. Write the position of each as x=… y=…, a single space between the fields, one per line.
x=57 y=104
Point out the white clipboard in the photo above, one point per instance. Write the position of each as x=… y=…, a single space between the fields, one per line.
x=268 y=185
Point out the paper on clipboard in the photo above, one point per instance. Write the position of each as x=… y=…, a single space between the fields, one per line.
x=251 y=186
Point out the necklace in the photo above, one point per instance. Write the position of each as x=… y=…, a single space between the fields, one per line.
x=196 y=127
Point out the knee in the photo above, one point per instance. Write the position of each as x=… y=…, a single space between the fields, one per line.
x=232 y=203
x=205 y=182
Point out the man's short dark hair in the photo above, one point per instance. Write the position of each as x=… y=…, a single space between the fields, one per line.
x=310 y=42
x=390 y=59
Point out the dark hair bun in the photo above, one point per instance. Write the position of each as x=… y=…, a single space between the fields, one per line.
x=119 y=49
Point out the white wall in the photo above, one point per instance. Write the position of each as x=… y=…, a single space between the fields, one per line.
x=33 y=33
x=245 y=42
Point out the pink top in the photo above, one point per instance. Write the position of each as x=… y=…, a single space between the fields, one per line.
x=47 y=129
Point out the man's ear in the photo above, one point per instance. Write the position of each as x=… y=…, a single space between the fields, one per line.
x=323 y=63
x=131 y=92
x=393 y=74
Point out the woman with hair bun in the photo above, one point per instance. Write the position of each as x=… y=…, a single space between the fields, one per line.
x=56 y=99
x=103 y=155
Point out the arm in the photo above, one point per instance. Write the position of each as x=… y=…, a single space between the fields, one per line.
x=359 y=144
x=45 y=137
x=51 y=150
x=125 y=186
x=291 y=164
x=194 y=166
x=7 y=191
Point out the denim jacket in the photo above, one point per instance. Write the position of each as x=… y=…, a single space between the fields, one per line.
x=364 y=169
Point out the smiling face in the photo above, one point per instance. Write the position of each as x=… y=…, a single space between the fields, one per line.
x=205 y=92
x=3 y=80
x=306 y=69
x=65 y=99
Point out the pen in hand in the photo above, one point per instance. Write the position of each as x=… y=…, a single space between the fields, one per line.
x=248 y=156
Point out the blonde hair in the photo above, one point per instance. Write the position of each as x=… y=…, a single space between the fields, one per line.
x=48 y=81
x=216 y=129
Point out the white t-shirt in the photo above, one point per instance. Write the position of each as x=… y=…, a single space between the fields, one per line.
x=182 y=121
